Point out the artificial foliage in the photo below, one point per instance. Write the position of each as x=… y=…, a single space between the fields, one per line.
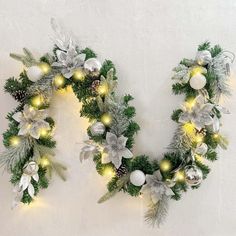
x=29 y=155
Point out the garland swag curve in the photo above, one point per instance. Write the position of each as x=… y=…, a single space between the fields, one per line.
x=29 y=140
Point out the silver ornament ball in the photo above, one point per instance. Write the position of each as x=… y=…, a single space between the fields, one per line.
x=93 y=66
x=137 y=178
x=198 y=81
x=97 y=128
x=193 y=175
x=203 y=57
x=34 y=73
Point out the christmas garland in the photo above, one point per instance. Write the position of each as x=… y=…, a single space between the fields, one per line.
x=29 y=143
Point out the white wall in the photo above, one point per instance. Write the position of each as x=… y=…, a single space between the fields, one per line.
x=145 y=39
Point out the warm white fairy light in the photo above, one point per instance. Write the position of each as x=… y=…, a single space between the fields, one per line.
x=14 y=141
x=45 y=68
x=37 y=101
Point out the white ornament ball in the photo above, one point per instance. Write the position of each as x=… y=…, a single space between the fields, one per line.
x=198 y=81
x=137 y=178
x=93 y=66
x=34 y=73
x=97 y=128
x=203 y=57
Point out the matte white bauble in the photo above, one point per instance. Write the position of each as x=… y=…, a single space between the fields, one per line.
x=203 y=57
x=34 y=73
x=137 y=178
x=198 y=81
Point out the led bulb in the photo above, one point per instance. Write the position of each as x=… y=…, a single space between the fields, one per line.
x=14 y=141
x=103 y=89
x=59 y=81
x=37 y=101
x=79 y=75
x=190 y=103
x=189 y=128
x=43 y=132
x=44 y=162
x=180 y=176
x=165 y=165
x=199 y=158
x=106 y=119
x=197 y=70
x=199 y=138
x=45 y=67
x=109 y=172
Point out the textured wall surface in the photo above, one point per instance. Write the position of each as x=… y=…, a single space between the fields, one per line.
x=145 y=39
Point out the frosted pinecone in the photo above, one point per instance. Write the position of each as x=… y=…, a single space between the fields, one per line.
x=121 y=171
x=19 y=95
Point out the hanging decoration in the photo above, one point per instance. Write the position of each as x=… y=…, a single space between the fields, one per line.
x=29 y=155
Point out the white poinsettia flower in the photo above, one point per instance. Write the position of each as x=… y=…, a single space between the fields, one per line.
x=155 y=188
x=31 y=121
x=69 y=61
x=30 y=171
x=200 y=114
x=115 y=149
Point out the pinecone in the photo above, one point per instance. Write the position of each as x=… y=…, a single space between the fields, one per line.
x=121 y=171
x=19 y=95
x=95 y=85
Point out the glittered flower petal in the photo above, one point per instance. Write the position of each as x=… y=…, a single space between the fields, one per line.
x=24 y=129
x=116 y=161
x=24 y=181
x=106 y=158
x=61 y=55
x=31 y=190
x=126 y=153
x=34 y=132
x=36 y=177
x=17 y=116
x=122 y=141
x=111 y=138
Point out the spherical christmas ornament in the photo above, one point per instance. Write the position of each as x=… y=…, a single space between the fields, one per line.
x=137 y=178
x=97 y=128
x=203 y=57
x=34 y=73
x=93 y=66
x=193 y=175
x=197 y=81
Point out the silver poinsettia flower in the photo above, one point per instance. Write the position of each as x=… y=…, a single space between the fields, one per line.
x=69 y=61
x=156 y=188
x=200 y=114
x=184 y=73
x=115 y=149
x=31 y=121
x=30 y=171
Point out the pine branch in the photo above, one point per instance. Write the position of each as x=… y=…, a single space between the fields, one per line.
x=120 y=184
x=11 y=156
x=59 y=169
x=181 y=141
x=156 y=214
x=27 y=59
x=120 y=122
